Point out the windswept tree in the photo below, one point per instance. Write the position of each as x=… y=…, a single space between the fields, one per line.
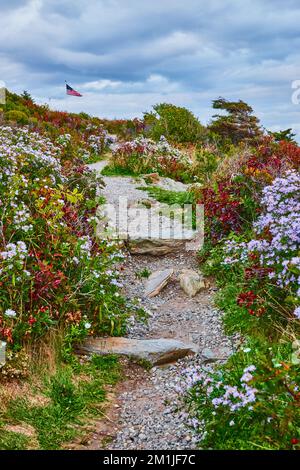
x=238 y=125
x=286 y=135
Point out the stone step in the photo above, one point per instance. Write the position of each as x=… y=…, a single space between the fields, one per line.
x=147 y=226
x=146 y=230
x=153 y=351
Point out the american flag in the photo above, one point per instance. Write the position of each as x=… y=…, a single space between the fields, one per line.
x=71 y=92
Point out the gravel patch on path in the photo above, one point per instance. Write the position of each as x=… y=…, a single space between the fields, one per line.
x=120 y=186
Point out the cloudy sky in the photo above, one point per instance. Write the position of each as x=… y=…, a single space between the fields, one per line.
x=126 y=55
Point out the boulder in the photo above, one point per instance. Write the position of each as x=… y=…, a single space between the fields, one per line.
x=157 y=281
x=147 y=227
x=191 y=282
x=154 y=351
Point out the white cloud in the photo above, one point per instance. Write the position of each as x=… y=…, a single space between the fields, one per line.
x=101 y=85
x=126 y=56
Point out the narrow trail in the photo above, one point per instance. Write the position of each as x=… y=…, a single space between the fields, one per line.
x=145 y=411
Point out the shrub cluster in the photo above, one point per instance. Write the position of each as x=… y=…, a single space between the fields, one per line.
x=143 y=155
x=252 y=248
x=54 y=273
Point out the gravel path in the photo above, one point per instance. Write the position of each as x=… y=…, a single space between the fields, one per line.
x=149 y=416
x=147 y=413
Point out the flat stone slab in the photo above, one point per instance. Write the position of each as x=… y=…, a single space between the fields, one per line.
x=155 y=351
x=157 y=281
x=156 y=246
x=147 y=230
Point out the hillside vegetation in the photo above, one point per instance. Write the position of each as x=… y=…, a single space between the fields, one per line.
x=59 y=285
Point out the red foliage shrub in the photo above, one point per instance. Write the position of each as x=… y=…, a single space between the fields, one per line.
x=221 y=207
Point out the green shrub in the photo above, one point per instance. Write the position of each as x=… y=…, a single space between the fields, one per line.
x=239 y=125
x=84 y=115
x=206 y=163
x=178 y=125
x=33 y=122
x=13 y=441
x=62 y=391
x=17 y=116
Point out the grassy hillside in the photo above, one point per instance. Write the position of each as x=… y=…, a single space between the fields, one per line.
x=58 y=282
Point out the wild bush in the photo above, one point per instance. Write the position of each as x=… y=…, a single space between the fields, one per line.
x=177 y=124
x=54 y=272
x=142 y=156
x=17 y=116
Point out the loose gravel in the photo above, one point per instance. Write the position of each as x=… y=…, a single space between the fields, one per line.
x=152 y=415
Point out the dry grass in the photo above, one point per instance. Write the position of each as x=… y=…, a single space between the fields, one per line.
x=42 y=358
x=44 y=355
x=29 y=389
x=231 y=165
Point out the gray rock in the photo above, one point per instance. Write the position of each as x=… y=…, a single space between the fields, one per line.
x=213 y=355
x=154 y=351
x=155 y=246
x=171 y=185
x=157 y=281
x=191 y=282
x=148 y=227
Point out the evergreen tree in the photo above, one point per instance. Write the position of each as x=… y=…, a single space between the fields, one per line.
x=27 y=96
